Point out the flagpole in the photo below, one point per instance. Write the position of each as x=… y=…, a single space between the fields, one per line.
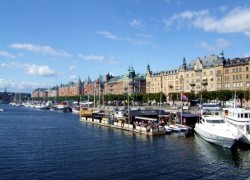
x=181 y=107
x=128 y=110
x=80 y=107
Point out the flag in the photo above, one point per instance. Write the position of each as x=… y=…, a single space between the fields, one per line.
x=184 y=97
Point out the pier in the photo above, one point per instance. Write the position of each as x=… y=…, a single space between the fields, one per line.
x=125 y=126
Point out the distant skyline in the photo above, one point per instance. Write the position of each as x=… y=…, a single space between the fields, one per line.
x=45 y=43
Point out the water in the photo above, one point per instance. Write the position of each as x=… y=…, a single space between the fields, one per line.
x=51 y=145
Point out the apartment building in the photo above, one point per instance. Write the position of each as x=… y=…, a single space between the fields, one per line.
x=210 y=73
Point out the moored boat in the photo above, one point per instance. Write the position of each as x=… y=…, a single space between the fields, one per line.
x=63 y=106
x=216 y=130
x=240 y=118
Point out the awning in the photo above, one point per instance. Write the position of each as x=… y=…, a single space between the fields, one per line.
x=145 y=118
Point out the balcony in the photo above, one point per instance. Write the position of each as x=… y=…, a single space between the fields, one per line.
x=204 y=81
x=192 y=84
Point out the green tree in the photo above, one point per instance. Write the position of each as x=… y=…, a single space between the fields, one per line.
x=224 y=95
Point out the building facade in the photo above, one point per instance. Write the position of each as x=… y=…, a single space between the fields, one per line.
x=71 y=89
x=210 y=73
x=40 y=93
x=53 y=92
x=129 y=83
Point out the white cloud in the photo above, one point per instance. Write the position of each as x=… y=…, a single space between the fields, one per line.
x=40 y=70
x=91 y=57
x=39 y=49
x=32 y=69
x=113 y=62
x=107 y=35
x=147 y=36
x=220 y=44
x=130 y=40
x=72 y=67
x=247 y=54
x=6 y=54
x=20 y=86
x=135 y=23
x=73 y=77
x=235 y=21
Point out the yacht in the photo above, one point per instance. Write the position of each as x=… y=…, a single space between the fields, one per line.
x=216 y=130
x=63 y=106
x=240 y=118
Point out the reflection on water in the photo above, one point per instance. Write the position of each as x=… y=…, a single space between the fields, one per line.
x=51 y=145
x=212 y=152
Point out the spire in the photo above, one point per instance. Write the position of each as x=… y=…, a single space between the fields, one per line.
x=184 y=63
x=222 y=54
x=148 y=69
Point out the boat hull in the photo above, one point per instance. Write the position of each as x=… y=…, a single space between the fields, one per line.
x=226 y=142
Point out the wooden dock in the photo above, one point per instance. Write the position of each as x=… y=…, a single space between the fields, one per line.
x=126 y=127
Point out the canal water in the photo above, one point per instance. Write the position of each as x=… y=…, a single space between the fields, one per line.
x=52 y=145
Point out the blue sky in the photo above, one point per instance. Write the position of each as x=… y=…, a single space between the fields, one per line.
x=48 y=42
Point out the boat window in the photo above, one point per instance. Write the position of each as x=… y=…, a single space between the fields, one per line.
x=242 y=115
x=216 y=121
x=246 y=115
x=238 y=115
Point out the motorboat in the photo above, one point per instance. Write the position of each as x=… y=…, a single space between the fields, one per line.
x=41 y=106
x=168 y=129
x=240 y=118
x=1 y=109
x=175 y=128
x=76 y=109
x=216 y=130
x=63 y=106
x=183 y=128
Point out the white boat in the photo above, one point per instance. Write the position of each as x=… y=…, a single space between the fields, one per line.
x=175 y=128
x=76 y=109
x=240 y=118
x=183 y=128
x=216 y=130
x=63 y=106
x=41 y=106
x=1 y=109
x=168 y=129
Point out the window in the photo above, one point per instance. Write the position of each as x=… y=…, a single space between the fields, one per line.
x=204 y=73
x=218 y=72
x=198 y=74
x=226 y=71
x=246 y=68
x=211 y=73
x=240 y=69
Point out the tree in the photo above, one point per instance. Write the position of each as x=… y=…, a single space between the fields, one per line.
x=224 y=95
x=240 y=94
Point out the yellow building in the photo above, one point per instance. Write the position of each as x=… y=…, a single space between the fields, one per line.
x=212 y=73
